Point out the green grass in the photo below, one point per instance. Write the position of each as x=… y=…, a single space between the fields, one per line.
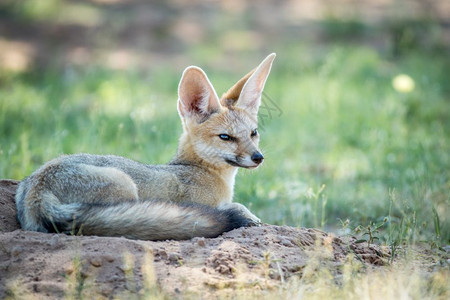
x=380 y=153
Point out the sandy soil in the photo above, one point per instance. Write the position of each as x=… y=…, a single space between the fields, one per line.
x=56 y=265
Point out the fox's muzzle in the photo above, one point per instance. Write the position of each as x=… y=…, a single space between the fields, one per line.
x=257 y=157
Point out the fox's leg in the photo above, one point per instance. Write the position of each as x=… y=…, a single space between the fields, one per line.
x=49 y=193
x=112 y=184
x=244 y=210
x=82 y=183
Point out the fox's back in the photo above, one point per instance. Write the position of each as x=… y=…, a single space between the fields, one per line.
x=173 y=182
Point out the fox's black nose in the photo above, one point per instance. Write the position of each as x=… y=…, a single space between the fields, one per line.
x=257 y=157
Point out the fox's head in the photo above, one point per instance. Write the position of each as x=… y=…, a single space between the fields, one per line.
x=222 y=132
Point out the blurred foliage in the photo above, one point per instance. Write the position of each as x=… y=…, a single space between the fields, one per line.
x=31 y=10
x=410 y=35
x=337 y=29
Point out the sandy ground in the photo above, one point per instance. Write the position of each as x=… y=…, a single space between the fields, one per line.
x=52 y=266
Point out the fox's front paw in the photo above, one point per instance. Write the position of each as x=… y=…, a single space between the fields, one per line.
x=253 y=220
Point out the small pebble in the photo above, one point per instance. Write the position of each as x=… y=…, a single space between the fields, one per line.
x=96 y=262
x=201 y=242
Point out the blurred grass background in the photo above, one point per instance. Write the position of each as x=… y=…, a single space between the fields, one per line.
x=355 y=121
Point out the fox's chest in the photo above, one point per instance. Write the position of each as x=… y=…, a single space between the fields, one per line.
x=171 y=187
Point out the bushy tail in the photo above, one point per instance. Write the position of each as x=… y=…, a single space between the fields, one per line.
x=151 y=220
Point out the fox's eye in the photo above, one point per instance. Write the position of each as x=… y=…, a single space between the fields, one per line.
x=225 y=137
x=254 y=133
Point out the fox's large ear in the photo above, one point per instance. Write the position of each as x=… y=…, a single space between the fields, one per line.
x=250 y=96
x=196 y=95
x=230 y=97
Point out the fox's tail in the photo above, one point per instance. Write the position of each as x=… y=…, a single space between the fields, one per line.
x=149 y=220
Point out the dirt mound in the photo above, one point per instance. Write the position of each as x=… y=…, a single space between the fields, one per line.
x=8 y=221
x=57 y=265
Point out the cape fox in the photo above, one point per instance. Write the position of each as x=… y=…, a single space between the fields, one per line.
x=191 y=196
